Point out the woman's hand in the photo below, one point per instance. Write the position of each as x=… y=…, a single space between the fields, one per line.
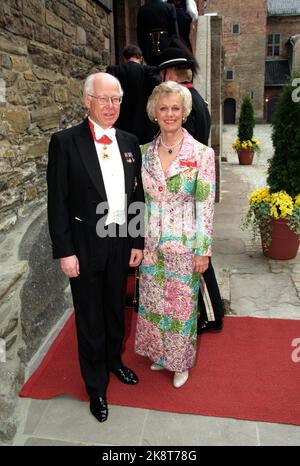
x=200 y=263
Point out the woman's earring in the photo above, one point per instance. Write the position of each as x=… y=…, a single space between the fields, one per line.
x=155 y=119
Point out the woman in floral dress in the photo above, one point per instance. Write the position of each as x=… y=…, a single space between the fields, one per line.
x=179 y=183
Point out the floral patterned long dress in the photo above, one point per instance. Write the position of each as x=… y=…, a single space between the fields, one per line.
x=179 y=216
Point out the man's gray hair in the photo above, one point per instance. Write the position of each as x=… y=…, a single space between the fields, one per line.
x=165 y=88
x=88 y=87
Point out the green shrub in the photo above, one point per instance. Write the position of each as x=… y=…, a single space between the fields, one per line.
x=284 y=166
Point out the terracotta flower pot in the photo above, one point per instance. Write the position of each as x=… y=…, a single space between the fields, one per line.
x=246 y=156
x=284 y=242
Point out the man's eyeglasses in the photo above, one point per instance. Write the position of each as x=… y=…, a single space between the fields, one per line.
x=104 y=100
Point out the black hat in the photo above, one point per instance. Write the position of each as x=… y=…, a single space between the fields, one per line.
x=174 y=56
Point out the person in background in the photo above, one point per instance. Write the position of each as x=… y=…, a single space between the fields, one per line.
x=93 y=177
x=137 y=81
x=156 y=25
x=187 y=15
x=179 y=65
x=178 y=175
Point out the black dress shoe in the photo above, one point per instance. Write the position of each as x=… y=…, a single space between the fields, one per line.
x=209 y=326
x=126 y=375
x=98 y=408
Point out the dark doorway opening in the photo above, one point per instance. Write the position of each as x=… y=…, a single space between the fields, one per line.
x=271 y=107
x=229 y=111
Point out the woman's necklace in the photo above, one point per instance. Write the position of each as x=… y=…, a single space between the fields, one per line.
x=170 y=148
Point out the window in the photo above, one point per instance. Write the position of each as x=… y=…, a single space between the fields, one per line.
x=235 y=28
x=273 y=45
x=229 y=75
x=252 y=94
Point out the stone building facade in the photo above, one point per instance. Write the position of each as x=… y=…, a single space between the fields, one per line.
x=47 y=48
x=249 y=43
x=243 y=53
x=282 y=50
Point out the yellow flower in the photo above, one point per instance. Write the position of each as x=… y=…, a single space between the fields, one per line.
x=260 y=195
x=281 y=205
x=264 y=205
x=253 y=144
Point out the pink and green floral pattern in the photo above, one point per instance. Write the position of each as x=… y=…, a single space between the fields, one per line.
x=179 y=216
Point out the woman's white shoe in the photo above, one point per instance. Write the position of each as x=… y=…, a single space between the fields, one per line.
x=156 y=367
x=180 y=378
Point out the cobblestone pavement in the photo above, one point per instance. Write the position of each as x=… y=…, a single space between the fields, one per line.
x=236 y=257
x=250 y=283
x=263 y=134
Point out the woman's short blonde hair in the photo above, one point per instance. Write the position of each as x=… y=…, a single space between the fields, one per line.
x=165 y=88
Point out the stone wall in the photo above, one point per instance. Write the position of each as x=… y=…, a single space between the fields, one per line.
x=208 y=81
x=216 y=97
x=47 y=48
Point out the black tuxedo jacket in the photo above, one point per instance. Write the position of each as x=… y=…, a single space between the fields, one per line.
x=137 y=81
x=76 y=187
x=198 y=121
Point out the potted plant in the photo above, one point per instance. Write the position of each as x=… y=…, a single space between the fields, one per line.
x=274 y=211
x=245 y=144
x=276 y=217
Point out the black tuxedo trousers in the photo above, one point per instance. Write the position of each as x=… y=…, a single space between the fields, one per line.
x=99 y=300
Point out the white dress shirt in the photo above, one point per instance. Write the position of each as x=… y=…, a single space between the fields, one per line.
x=113 y=175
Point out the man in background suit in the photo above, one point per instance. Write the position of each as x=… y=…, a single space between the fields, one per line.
x=156 y=25
x=94 y=168
x=186 y=12
x=137 y=81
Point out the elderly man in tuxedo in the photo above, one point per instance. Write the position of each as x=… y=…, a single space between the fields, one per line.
x=93 y=180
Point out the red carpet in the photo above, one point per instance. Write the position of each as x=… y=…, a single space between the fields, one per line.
x=245 y=372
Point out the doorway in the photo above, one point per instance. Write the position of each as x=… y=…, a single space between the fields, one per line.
x=229 y=111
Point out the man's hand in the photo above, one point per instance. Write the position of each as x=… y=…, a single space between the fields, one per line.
x=136 y=257
x=200 y=263
x=70 y=266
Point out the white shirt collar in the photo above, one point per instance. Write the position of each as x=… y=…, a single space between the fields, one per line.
x=99 y=131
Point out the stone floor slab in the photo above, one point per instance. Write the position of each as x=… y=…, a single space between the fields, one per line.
x=70 y=420
x=278 y=434
x=240 y=263
x=35 y=412
x=272 y=293
x=193 y=430
x=46 y=442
